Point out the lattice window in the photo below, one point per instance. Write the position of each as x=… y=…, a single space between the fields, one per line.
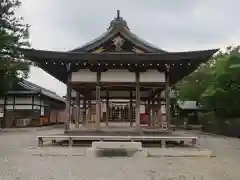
x=119 y=112
x=115 y=113
x=133 y=112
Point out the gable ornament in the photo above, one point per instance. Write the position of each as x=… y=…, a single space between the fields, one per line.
x=118 y=42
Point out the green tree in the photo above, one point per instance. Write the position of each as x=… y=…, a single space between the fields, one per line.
x=223 y=95
x=13 y=36
x=216 y=84
x=192 y=87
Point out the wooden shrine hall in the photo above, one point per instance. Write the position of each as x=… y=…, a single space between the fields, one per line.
x=119 y=65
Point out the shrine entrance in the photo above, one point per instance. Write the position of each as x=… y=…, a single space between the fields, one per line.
x=120 y=112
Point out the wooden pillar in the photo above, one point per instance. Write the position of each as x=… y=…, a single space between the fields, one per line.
x=98 y=102
x=14 y=102
x=130 y=110
x=3 y=123
x=168 y=113
x=84 y=112
x=107 y=108
x=159 y=110
x=137 y=100
x=49 y=114
x=152 y=113
x=69 y=97
x=110 y=111
x=78 y=110
x=167 y=93
x=57 y=114
x=89 y=114
x=149 y=112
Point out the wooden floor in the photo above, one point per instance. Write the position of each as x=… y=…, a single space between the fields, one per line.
x=118 y=129
x=117 y=132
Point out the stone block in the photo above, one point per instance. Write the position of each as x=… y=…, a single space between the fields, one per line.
x=117 y=145
x=111 y=149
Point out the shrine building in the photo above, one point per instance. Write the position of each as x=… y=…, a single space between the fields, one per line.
x=118 y=68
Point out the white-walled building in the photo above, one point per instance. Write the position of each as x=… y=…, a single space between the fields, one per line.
x=28 y=104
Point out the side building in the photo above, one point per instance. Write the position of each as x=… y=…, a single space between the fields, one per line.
x=28 y=104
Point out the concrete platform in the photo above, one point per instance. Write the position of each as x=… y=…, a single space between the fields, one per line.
x=180 y=152
x=148 y=152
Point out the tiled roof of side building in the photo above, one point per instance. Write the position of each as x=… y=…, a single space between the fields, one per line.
x=188 y=105
x=33 y=87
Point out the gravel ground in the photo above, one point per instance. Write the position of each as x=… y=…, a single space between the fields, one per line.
x=16 y=163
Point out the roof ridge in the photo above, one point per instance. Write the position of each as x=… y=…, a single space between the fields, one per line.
x=118 y=25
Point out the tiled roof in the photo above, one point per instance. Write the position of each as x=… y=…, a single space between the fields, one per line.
x=188 y=105
x=118 y=25
x=38 y=89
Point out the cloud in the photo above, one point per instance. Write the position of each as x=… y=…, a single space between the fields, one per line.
x=171 y=25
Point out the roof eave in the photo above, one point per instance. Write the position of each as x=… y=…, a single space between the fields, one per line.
x=37 y=55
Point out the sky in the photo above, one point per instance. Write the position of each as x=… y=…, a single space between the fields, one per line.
x=172 y=25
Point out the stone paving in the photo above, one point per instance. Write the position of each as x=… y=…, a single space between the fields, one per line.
x=17 y=163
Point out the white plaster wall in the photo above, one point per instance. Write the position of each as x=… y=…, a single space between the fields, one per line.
x=163 y=109
x=19 y=107
x=1 y=111
x=42 y=111
x=9 y=100
x=1 y=101
x=37 y=100
x=119 y=75
x=42 y=103
x=142 y=108
x=36 y=107
x=84 y=75
x=152 y=76
x=23 y=101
